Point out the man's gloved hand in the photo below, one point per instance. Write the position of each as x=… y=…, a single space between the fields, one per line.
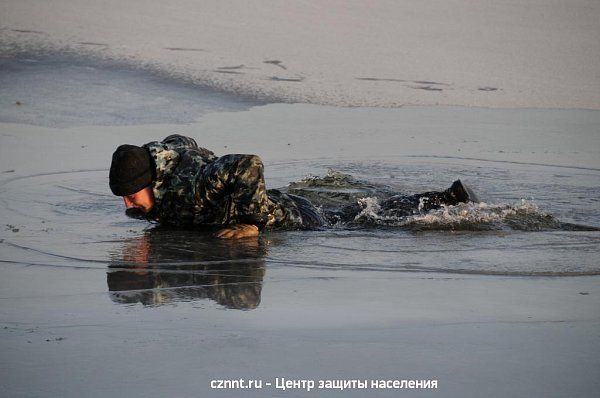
x=237 y=231
x=136 y=213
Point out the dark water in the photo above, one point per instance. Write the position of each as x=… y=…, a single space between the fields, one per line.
x=511 y=233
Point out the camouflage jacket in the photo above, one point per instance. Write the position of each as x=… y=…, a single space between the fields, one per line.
x=192 y=186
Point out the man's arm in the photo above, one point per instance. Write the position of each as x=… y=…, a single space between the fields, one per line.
x=233 y=191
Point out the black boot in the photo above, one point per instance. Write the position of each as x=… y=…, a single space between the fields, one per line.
x=401 y=205
x=461 y=193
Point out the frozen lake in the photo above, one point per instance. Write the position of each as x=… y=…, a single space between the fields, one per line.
x=502 y=294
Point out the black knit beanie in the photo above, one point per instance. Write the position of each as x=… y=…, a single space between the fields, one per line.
x=130 y=171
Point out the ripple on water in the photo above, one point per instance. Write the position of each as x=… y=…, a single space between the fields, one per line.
x=530 y=223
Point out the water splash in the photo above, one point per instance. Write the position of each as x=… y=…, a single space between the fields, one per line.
x=338 y=190
x=523 y=216
x=332 y=178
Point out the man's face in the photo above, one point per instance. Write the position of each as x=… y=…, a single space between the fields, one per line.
x=142 y=200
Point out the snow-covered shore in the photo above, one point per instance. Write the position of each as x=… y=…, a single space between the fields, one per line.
x=533 y=53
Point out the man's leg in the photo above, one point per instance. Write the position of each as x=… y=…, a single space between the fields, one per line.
x=406 y=205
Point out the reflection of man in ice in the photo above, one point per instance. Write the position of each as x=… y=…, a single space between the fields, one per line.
x=163 y=266
x=176 y=182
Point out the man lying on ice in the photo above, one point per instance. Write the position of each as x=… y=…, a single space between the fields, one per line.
x=175 y=182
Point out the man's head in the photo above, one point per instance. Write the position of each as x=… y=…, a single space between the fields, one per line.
x=131 y=177
x=142 y=200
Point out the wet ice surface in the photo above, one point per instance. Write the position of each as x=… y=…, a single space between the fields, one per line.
x=462 y=294
x=84 y=279
x=58 y=93
x=508 y=234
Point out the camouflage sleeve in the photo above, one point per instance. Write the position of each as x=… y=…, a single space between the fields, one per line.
x=236 y=185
